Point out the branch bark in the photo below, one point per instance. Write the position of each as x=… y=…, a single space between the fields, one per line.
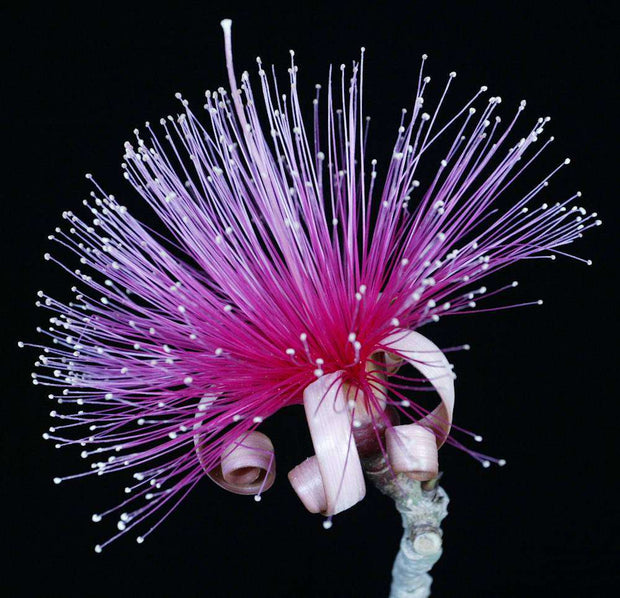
x=422 y=505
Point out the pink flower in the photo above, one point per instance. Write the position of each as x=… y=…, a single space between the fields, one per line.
x=287 y=274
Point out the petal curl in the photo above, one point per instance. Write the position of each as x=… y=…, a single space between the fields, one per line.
x=412 y=448
x=330 y=425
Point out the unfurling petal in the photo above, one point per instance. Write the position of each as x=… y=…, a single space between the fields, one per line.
x=247 y=466
x=329 y=421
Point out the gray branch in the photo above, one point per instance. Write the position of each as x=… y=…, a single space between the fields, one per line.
x=422 y=505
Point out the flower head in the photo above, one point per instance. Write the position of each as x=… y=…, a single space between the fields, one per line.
x=285 y=273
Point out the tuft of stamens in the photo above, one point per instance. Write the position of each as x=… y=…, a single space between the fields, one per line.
x=281 y=259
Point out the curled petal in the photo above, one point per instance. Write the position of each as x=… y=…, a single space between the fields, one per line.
x=412 y=449
x=308 y=484
x=329 y=422
x=429 y=360
x=247 y=466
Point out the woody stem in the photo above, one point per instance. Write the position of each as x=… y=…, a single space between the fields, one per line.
x=422 y=505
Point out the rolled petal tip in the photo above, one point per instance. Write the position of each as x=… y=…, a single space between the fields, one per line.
x=247 y=466
x=412 y=450
x=330 y=425
x=307 y=482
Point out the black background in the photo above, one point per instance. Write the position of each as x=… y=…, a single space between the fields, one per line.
x=539 y=383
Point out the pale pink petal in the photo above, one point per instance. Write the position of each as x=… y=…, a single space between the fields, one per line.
x=247 y=466
x=308 y=484
x=412 y=449
x=329 y=421
x=429 y=360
